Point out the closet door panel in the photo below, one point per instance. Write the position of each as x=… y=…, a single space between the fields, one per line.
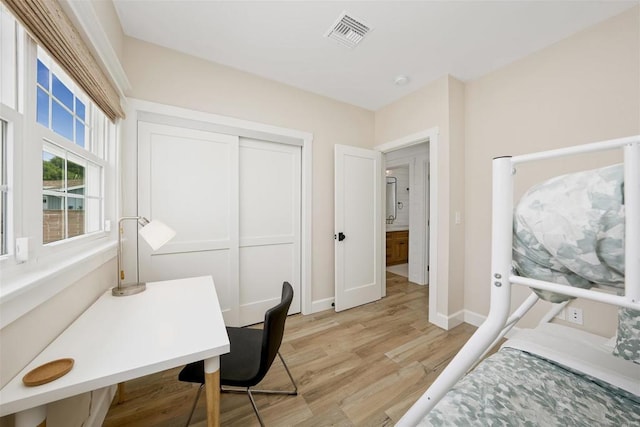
x=188 y=180
x=262 y=271
x=204 y=263
x=269 y=230
x=235 y=205
x=268 y=190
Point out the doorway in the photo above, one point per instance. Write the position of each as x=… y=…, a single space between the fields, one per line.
x=430 y=233
x=397 y=218
x=407 y=216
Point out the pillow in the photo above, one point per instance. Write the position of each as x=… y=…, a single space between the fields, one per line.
x=628 y=342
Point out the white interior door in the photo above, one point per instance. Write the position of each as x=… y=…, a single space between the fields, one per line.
x=359 y=226
x=269 y=226
x=235 y=206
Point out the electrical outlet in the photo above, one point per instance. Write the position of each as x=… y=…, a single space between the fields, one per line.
x=574 y=315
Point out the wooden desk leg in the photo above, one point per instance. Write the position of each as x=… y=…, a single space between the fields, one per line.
x=212 y=389
x=120 y=393
x=32 y=417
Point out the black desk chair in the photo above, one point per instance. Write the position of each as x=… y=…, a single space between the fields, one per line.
x=252 y=353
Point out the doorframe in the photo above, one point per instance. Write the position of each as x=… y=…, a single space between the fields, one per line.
x=431 y=136
x=141 y=110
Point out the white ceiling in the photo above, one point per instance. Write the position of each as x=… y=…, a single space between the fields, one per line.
x=284 y=40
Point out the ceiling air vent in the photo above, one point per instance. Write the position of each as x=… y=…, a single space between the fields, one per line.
x=348 y=31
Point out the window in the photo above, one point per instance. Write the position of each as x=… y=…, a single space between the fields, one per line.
x=10 y=36
x=72 y=166
x=57 y=157
x=10 y=47
x=57 y=170
x=71 y=195
x=58 y=106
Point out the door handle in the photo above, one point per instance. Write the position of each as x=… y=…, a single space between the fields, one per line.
x=340 y=237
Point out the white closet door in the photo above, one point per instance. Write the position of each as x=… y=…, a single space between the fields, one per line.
x=188 y=179
x=269 y=226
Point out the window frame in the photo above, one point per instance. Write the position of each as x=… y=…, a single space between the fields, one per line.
x=55 y=71
x=87 y=159
x=4 y=189
x=50 y=268
x=45 y=135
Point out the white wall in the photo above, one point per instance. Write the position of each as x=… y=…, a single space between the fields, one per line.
x=583 y=89
x=24 y=338
x=438 y=104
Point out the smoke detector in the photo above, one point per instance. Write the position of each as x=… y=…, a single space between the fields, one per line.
x=348 y=31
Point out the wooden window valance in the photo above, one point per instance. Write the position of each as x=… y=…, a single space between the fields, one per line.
x=46 y=21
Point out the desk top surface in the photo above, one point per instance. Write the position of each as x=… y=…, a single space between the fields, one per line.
x=116 y=339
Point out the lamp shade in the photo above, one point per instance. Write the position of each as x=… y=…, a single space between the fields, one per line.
x=156 y=234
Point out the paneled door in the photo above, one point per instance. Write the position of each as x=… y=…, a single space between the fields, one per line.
x=269 y=226
x=235 y=205
x=359 y=225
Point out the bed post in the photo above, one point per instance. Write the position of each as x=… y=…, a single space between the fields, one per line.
x=483 y=338
x=632 y=210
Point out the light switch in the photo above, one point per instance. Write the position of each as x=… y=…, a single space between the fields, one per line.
x=458 y=217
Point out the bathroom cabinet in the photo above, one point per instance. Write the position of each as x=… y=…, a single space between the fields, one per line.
x=397 y=247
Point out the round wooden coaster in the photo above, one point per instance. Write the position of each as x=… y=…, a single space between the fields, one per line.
x=48 y=372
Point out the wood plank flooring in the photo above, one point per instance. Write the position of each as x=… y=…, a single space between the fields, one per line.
x=360 y=367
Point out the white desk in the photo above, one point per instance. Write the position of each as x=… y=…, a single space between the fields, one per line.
x=117 y=339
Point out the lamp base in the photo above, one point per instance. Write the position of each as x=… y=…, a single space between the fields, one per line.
x=124 y=291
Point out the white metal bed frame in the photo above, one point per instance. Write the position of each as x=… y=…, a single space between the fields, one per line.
x=498 y=321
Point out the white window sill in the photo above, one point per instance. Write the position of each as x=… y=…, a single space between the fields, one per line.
x=26 y=291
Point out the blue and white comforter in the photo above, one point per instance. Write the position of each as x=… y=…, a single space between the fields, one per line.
x=515 y=388
x=570 y=230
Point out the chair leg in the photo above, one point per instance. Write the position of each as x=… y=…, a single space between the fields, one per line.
x=295 y=386
x=251 y=391
x=293 y=392
x=255 y=408
x=195 y=402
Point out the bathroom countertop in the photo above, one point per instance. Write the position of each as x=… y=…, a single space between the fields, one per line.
x=397 y=227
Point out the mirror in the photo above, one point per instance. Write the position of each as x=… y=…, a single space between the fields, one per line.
x=392 y=205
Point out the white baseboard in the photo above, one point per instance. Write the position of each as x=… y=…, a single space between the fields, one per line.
x=456 y=319
x=476 y=319
x=448 y=322
x=463 y=316
x=100 y=403
x=438 y=319
x=473 y=318
x=322 y=305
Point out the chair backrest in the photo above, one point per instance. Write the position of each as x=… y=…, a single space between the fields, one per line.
x=273 y=330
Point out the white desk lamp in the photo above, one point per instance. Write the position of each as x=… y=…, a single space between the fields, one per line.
x=156 y=234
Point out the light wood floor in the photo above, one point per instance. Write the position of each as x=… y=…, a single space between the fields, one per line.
x=360 y=367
